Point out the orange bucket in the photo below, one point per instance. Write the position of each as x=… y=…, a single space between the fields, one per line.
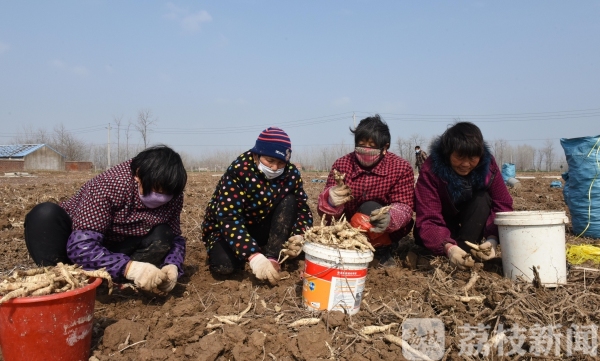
x=52 y=327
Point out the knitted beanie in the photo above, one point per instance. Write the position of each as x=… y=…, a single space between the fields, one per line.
x=273 y=142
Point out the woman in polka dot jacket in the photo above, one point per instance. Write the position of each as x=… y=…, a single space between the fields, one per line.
x=126 y=219
x=258 y=204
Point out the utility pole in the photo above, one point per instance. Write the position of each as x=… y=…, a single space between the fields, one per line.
x=118 y=141
x=354 y=119
x=108 y=147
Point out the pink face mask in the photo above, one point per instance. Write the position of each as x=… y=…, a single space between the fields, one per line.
x=367 y=157
x=155 y=200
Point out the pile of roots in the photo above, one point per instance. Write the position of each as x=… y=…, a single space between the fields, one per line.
x=340 y=234
x=48 y=280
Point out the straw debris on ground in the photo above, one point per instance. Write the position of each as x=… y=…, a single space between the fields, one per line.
x=483 y=315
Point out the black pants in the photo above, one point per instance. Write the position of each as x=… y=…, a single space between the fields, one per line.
x=469 y=223
x=48 y=227
x=270 y=234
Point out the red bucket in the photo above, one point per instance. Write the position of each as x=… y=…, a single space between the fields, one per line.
x=53 y=327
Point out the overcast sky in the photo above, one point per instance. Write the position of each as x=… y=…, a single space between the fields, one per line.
x=214 y=74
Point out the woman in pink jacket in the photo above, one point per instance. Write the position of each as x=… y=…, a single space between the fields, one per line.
x=458 y=192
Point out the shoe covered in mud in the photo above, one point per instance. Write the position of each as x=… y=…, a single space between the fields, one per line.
x=384 y=257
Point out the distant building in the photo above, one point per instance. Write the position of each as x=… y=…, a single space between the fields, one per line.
x=299 y=166
x=28 y=157
x=75 y=166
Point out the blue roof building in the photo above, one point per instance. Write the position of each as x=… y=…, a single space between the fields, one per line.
x=19 y=157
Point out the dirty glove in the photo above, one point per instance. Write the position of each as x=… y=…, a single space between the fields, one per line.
x=145 y=275
x=171 y=273
x=380 y=220
x=487 y=250
x=339 y=195
x=459 y=258
x=264 y=269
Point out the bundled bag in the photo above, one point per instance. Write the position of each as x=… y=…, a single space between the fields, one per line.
x=582 y=184
x=508 y=171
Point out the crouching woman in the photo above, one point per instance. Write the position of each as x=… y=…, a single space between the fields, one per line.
x=257 y=206
x=126 y=220
x=458 y=193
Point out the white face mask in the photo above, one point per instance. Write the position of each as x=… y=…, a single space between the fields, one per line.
x=270 y=174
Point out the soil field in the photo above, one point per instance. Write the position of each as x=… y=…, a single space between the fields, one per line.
x=498 y=319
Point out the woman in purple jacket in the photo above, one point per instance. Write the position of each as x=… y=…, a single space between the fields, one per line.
x=126 y=220
x=458 y=192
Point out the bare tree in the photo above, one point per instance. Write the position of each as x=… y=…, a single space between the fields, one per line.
x=99 y=156
x=341 y=150
x=539 y=160
x=65 y=143
x=402 y=145
x=547 y=150
x=127 y=135
x=524 y=158
x=31 y=135
x=500 y=148
x=145 y=120
x=118 y=121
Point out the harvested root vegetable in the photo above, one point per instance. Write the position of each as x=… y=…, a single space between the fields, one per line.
x=232 y=319
x=305 y=322
x=48 y=280
x=477 y=248
x=407 y=347
x=291 y=248
x=472 y=245
x=369 y=330
x=338 y=177
x=381 y=211
x=340 y=234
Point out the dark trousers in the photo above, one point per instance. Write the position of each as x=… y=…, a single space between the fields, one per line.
x=270 y=234
x=48 y=227
x=469 y=223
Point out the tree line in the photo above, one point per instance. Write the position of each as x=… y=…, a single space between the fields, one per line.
x=524 y=156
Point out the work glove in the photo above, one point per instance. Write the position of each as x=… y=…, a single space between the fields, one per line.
x=487 y=250
x=339 y=195
x=264 y=269
x=145 y=275
x=171 y=273
x=459 y=258
x=380 y=220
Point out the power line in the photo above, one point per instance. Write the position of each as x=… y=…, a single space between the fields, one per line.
x=427 y=118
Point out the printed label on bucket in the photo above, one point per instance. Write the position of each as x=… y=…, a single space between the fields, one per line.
x=332 y=288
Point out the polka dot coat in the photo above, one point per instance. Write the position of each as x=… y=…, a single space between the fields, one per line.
x=244 y=196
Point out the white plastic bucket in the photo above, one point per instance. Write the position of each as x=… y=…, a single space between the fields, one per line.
x=513 y=183
x=334 y=279
x=533 y=239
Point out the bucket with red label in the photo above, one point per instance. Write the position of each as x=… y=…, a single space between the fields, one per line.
x=334 y=279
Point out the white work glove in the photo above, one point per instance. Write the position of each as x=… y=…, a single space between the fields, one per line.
x=487 y=250
x=171 y=273
x=145 y=275
x=264 y=269
x=459 y=258
x=339 y=195
x=379 y=220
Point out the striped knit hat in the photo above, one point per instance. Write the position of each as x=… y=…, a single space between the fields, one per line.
x=273 y=142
